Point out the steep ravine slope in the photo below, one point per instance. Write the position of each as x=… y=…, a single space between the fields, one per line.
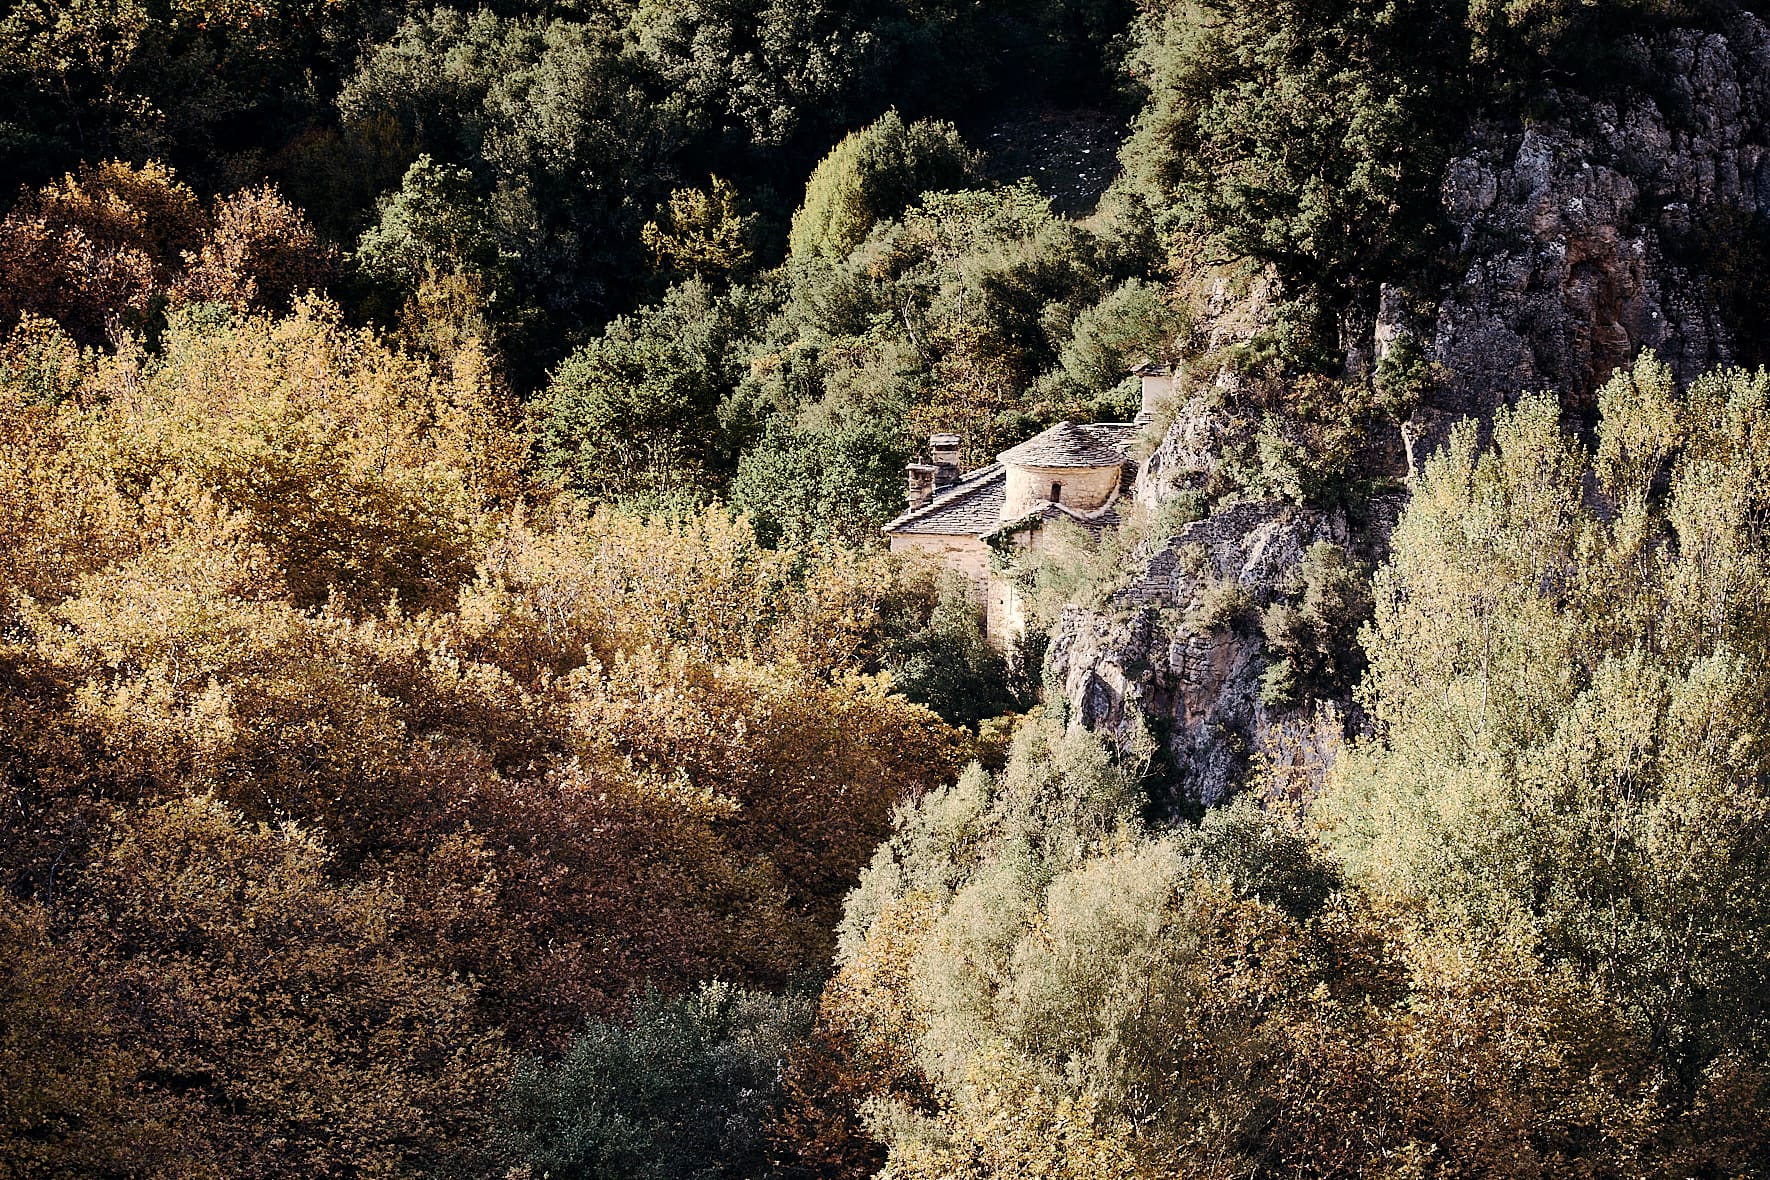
x=1619 y=223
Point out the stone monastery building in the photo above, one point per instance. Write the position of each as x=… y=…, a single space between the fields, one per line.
x=1069 y=472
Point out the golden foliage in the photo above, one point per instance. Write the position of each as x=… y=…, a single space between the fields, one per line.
x=703 y=232
x=563 y=587
x=276 y=1017
x=338 y=756
x=1002 y=1122
x=339 y=453
x=260 y=251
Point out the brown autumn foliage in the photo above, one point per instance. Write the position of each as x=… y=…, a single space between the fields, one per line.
x=104 y=249
x=259 y=251
x=70 y=1104
x=277 y=1017
x=118 y=206
x=833 y=760
x=339 y=762
x=92 y=290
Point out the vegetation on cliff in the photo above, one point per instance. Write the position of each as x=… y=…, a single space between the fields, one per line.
x=1521 y=931
x=456 y=718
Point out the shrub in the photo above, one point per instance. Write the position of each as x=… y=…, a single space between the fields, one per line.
x=683 y=1090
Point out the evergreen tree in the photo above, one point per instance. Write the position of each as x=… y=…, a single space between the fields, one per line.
x=873 y=176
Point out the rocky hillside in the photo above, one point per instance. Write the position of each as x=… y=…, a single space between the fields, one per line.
x=1180 y=648
x=1578 y=238
x=1596 y=233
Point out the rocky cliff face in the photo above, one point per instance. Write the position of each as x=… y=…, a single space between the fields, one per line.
x=1588 y=236
x=1579 y=240
x=1180 y=647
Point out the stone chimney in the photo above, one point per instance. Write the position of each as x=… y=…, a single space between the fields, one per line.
x=921 y=483
x=943 y=449
x=1157 y=386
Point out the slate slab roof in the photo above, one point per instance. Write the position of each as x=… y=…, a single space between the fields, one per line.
x=971 y=507
x=1105 y=517
x=1068 y=445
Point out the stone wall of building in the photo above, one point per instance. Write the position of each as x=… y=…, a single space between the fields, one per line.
x=965 y=555
x=1083 y=488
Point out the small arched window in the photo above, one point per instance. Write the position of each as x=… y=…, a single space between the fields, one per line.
x=1056 y=493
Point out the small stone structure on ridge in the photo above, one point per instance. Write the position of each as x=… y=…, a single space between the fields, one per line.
x=1069 y=472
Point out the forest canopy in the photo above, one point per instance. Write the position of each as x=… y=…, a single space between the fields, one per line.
x=459 y=716
x=311 y=697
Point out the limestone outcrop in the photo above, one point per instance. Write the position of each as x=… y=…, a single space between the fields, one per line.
x=1581 y=237
x=1179 y=648
x=1585 y=237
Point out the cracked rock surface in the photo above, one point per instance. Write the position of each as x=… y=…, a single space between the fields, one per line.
x=1581 y=239
x=1195 y=682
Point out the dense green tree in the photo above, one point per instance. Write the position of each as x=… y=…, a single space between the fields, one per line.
x=434 y=254
x=565 y=152
x=635 y=413
x=682 y=1092
x=985 y=286
x=872 y=176
x=198 y=84
x=1134 y=322
x=949 y=665
x=1240 y=151
x=576 y=128
x=435 y=223
x=742 y=75
x=1312 y=630
x=758 y=84
x=835 y=478
x=1566 y=676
